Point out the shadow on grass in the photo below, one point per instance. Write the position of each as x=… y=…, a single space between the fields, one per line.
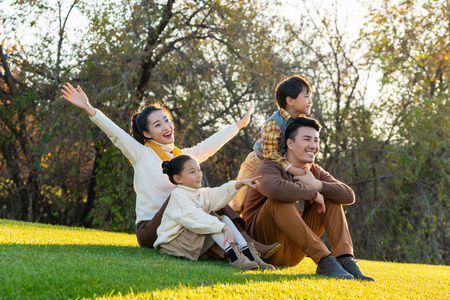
x=72 y=271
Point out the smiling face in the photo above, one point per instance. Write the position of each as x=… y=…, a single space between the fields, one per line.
x=300 y=105
x=304 y=149
x=191 y=176
x=160 y=128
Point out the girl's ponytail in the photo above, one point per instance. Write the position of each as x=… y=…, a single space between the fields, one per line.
x=166 y=167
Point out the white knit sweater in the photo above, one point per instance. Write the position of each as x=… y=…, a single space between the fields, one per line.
x=152 y=187
x=190 y=208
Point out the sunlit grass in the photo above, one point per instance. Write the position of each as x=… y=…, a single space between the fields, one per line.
x=53 y=262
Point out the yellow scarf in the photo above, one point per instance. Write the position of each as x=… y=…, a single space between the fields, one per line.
x=161 y=153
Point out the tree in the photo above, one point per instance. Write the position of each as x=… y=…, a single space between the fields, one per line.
x=208 y=57
x=410 y=42
x=205 y=79
x=26 y=125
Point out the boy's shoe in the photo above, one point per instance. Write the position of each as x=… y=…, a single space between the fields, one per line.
x=329 y=266
x=261 y=264
x=242 y=261
x=351 y=265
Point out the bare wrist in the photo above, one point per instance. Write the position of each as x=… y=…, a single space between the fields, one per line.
x=319 y=186
x=314 y=199
x=91 y=111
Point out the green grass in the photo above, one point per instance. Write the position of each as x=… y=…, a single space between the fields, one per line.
x=53 y=262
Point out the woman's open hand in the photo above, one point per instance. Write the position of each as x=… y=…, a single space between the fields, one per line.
x=245 y=119
x=77 y=97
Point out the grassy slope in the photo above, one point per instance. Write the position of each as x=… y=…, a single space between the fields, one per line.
x=53 y=262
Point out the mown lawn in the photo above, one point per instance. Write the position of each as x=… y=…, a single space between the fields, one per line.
x=53 y=262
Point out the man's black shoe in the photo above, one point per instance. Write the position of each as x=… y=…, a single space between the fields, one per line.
x=329 y=266
x=351 y=265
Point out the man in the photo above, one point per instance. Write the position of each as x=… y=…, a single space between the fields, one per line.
x=297 y=213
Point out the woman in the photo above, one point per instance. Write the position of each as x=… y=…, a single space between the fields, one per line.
x=152 y=143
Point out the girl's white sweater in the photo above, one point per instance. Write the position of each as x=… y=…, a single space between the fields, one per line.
x=152 y=187
x=190 y=208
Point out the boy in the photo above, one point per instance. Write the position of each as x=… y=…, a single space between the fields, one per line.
x=293 y=97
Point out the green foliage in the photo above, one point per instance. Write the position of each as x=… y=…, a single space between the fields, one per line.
x=115 y=204
x=416 y=139
x=127 y=55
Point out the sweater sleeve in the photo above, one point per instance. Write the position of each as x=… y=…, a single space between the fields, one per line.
x=131 y=148
x=218 y=197
x=212 y=144
x=184 y=212
x=275 y=186
x=334 y=190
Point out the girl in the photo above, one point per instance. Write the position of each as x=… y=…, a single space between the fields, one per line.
x=151 y=143
x=188 y=228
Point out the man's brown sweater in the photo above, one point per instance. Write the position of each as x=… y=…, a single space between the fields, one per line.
x=275 y=185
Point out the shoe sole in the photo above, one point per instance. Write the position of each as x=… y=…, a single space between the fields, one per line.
x=271 y=252
x=337 y=277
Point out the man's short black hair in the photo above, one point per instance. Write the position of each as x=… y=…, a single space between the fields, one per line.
x=291 y=130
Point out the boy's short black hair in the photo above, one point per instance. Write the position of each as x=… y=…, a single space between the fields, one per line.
x=291 y=130
x=290 y=87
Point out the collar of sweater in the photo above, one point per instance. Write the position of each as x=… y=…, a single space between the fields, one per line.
x=166 y=147
x=193 y=191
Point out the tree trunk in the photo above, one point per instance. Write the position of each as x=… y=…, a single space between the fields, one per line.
x=92 y=194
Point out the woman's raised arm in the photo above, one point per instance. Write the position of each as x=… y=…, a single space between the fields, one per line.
x=246 y=119
x=131 y=148
x=77 y=97
x=210 y=146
